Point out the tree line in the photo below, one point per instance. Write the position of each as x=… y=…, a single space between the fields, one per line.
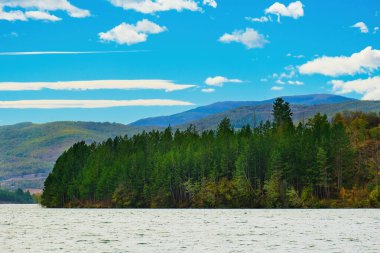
x=18 y=197
x=316 y=163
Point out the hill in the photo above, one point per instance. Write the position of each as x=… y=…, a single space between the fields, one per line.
x=205 y=111
x=28 y=151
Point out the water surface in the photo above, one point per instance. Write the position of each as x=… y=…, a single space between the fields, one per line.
x=29 y=228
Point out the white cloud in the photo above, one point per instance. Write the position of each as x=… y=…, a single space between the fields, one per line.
x=168 y=86
x=250 y=38
x=293 y=10
x=152 y=6
x=375 y=30
x=220 y=81
x=277 y=88
x=264 y=80
x=66 y=52
x=280 y=82
x=362 y=26
x=211 y=3
x=290 y=72
x=298 y=83
x=300 y=56
x=369 y=88
x=210 y=90
x=61 y=104
x=12 y=15
x=262 y=19
x=365 y=61
x=132 y=34
x=41 y=15
x=38 y=10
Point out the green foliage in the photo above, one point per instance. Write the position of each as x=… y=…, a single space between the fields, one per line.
x=273 y=165
x=272 y=189
x=293 y=198
x=18 y=196
x=374 y=198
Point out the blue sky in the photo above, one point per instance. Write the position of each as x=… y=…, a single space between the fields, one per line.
x=146 y=58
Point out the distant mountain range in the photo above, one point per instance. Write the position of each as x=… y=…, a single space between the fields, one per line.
x=28 y=151
x=255 y=114
x=205 y=111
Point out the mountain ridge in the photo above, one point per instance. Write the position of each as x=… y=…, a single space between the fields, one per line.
x=219 y=107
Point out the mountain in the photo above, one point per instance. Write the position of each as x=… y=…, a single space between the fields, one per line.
x=28 y=151
x=205 y=111
x=255 y=114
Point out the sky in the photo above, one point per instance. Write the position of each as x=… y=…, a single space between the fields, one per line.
x=123 y=60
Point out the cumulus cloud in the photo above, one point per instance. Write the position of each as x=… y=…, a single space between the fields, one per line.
x=220 y=81
x=211 y=3
x=362 y=27
x=293 y=10
x=366 y=61
x=90 y=104
x=369 y=88
x=168 y=86
x=250 y=38
x=38 y=10
x=375 y=30
x=152 y=6
x=277 y=88
x=132 y=34
x=209 y=90
x=280 y=82
x=262 y=19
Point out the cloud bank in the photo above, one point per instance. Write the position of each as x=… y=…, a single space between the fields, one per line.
x=366 y=61
x=24 y=10
x=369 y=88
x=152 y=6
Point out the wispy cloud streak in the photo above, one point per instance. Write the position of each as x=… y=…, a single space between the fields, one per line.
x=89 y=104
x=69 y=52
x=166 y=85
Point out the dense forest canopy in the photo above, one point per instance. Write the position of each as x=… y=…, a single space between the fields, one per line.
x=272 y=164
x=17 y=197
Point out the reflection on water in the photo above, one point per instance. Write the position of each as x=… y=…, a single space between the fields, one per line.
x=29 y=228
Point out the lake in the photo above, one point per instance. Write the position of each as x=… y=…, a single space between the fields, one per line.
x=30 y=228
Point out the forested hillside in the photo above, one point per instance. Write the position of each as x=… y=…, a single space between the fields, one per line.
x=275 y=164
x=28 y=151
